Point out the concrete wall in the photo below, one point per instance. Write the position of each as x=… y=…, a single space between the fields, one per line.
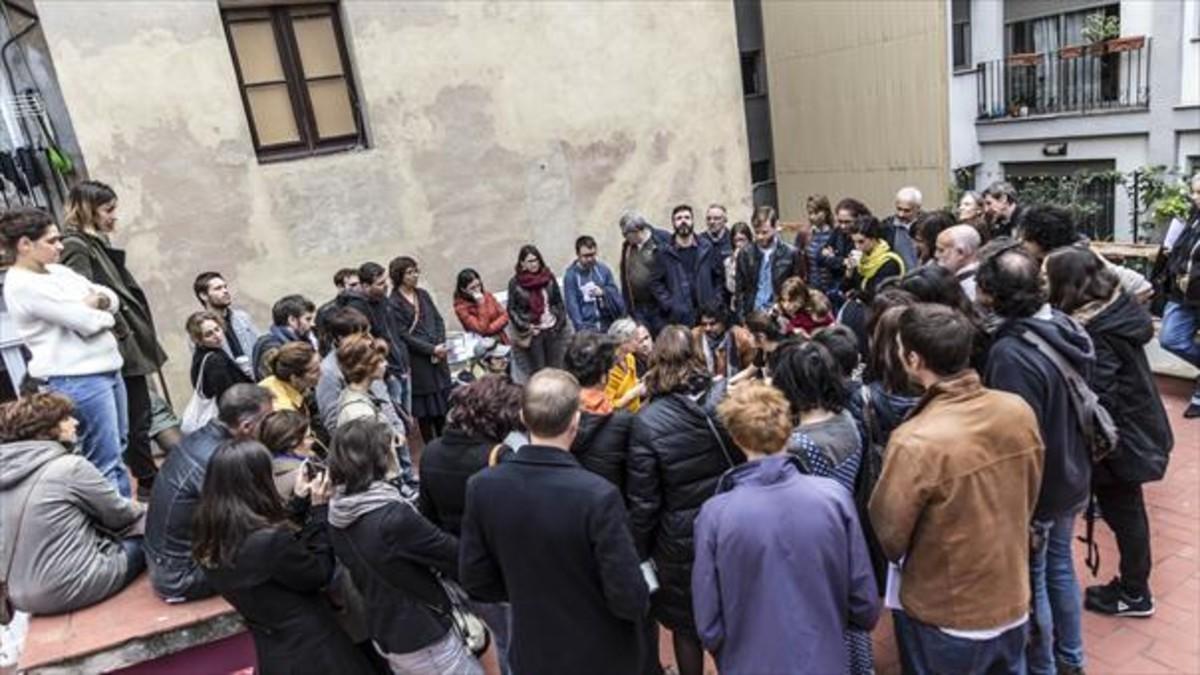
x=856 y=106
x=1189 y=72
x=491 y=125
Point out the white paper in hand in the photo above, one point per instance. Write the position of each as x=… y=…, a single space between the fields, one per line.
x=891 y=594
x=650 y=575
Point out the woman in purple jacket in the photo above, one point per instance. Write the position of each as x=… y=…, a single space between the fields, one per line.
x=781 y=567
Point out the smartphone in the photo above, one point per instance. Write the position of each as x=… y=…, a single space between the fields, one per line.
x=313 y=468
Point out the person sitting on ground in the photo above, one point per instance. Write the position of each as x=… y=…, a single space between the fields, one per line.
x=293 y=370
x=293 y=317
x=213 y=370
x=727 y=347
x=493 y=357
x=602 y=444
x=59 y=515
x=363 y=359
x=552 y=538
x=802 y=310
x=623 y=387
x=1080 y=284
x=478 y=310
x=286 y=434
x=954 y=503
x=394 y=556
x=174 y=575
x=781 y=568
x=274 y=576
x=768 y=335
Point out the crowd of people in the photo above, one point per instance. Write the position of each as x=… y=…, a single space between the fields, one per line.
x=755 y=443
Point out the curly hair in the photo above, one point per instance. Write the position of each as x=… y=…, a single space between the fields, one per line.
x=1011 y=280
x=33 y=417
x=359 y=355
x=488 y=408
x=289 y=360
x=1050 y=227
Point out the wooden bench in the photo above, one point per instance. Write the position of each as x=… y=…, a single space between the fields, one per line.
x=135 y=632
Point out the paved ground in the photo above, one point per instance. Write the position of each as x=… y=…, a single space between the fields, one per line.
x=1168 y=642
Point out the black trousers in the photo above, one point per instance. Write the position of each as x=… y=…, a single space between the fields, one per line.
x=1124 y=510
x=138 y=455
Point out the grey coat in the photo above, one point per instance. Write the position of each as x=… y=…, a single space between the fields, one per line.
x=65 y=556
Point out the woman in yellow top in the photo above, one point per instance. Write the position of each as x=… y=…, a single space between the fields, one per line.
x=295 y=368
x=624 y=388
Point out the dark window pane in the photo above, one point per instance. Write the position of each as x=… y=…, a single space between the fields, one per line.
x=760 y=171
x=750 y=73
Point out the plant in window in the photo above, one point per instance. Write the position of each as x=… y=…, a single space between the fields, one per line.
x=1097 y=27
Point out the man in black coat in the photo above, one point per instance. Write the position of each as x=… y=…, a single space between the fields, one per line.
x=1009 y=283
x=553 y=539
x=758 y=286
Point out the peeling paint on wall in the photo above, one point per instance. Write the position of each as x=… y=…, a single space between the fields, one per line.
x=490 y=124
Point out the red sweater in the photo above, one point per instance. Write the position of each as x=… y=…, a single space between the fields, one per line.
x=486 y=318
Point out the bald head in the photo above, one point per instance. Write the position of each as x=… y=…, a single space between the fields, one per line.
x=957 y=247
x=550 y=407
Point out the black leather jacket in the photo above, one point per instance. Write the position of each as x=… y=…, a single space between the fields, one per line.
x=173 y=573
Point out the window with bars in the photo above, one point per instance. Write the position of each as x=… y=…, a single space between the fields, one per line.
x=294 y=74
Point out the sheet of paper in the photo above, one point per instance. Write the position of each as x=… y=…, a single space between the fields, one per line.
x=650 y=575
x=891 y=595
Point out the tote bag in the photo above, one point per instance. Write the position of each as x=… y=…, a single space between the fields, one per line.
x=200 y=409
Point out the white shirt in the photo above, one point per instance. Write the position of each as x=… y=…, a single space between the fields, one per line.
x=65 y=337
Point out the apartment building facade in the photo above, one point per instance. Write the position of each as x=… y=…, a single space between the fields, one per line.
x=1034 y=92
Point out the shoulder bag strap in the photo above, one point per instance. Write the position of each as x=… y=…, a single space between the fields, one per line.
x=408 y=594
x=198 y=388
x=712 y=427
x=494 y=454
x=1082 y=396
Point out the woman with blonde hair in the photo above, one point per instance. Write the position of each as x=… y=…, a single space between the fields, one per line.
x=781 y=568
x=295 y=368
x=678 y=451
x=213 y=370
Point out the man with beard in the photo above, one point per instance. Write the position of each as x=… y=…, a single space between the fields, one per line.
x=1001 y=210
x=214 y=295
x=589 y=290
x=695 y=265
x=727 y=349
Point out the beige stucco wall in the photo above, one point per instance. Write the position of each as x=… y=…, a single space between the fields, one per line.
x=859 y=99
x=491 y=125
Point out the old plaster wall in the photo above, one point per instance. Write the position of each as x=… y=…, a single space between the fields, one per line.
x=490 y=124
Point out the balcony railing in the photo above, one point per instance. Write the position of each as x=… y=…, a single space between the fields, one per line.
x=1110 y=75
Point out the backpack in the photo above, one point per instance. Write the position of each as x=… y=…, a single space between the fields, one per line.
x=1096 y=424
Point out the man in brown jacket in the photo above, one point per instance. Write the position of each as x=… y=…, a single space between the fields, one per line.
x=959 y=483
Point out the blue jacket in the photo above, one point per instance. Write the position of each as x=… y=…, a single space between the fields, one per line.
x=781 y=570
x=694 y=287
x=592 y=315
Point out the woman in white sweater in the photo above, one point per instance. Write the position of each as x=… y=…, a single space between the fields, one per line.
x=66 y=323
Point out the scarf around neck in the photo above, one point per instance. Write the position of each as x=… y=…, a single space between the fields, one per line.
x=535 y=283
x=869 y=266
x=344 y=509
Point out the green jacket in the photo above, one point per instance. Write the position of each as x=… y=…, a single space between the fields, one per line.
x=93 y=257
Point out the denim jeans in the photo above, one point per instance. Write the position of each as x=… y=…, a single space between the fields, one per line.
x=135 y=559
x=1178 y=332
x=935 y=652
x=447 y=655
x=100 y=407
x=400 y=391
x=1057 y=630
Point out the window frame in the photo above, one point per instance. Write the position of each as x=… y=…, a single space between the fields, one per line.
x=964 y=45
x=281 y=19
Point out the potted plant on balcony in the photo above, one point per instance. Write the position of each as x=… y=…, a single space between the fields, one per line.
x=1098 y=29
x=1018 y=106
x=1126 y=44
x=1026 y=59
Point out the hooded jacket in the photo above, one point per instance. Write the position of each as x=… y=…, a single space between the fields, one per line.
x=1120 y=328
x=64 y=558
x=675 y=461
x=781 y=568
x=391 y=551
x=1015 y=365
